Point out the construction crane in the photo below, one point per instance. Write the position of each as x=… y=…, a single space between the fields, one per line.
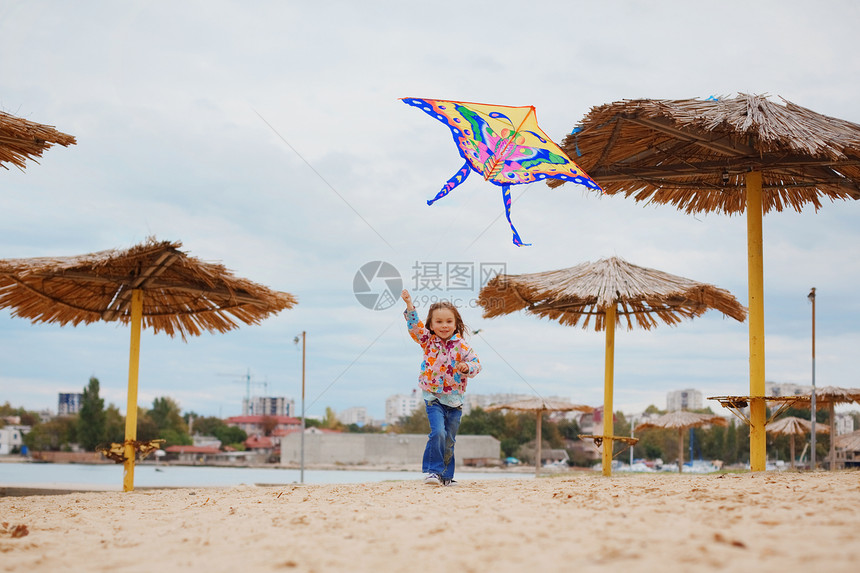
x=246 y=380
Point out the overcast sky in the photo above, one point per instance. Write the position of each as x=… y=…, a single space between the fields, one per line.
x=269 y=136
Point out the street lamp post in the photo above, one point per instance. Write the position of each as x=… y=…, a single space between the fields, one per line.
x=302 y=455
x=811 y=297
x=632 y=425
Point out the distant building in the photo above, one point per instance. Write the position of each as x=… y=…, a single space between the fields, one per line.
x=11 y=439
x=261 y=445
x=356 y=415
x=844 y=424
x=321 y=447
x=592 y=422
x=194 y=455
x=402 y=405
x=69 y=403
x=268 y=406
x=205 y=441
x=688 y=399
x=785 y=389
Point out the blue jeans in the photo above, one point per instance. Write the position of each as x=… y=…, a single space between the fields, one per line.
x=439 y=452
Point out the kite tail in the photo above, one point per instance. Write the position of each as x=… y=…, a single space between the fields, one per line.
x=458 y=178
x=506 y=195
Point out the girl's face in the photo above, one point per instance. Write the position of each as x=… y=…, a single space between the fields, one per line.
x=443 y=323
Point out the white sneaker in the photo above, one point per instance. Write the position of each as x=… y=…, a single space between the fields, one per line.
x=449 y=482
x=433 y=479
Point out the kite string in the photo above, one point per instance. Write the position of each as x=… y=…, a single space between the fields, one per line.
x=536 y=393
x=323 y=179
x=345 y=370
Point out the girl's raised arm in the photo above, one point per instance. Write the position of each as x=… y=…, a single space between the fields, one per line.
x=407 y=298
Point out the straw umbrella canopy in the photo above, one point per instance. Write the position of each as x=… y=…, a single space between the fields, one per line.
x=850 y=442
x=743 y=154
x=793 y=426
x=539 y=406
x=21 y=139
x=829 y=396
x=682 y=420
x=603 y=291
x=153 y=284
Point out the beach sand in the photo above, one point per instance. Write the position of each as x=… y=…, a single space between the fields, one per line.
x=574 y=522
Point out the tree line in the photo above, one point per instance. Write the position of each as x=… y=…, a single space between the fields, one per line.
x=516 y=433
x=96 y=425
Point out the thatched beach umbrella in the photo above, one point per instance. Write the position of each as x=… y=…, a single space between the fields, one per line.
x=849 y=442
x=682 y=420
x=539 y=406
x=604 y=290
x=829 y=396
x=729 y=156
x=153 y=284
x=21 y=139
x=793 y=426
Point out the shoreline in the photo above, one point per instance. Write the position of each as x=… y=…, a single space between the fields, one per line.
x=72 y=477
x=414 y=467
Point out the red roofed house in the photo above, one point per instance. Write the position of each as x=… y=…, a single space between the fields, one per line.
x=261 y=444
x=265 y=432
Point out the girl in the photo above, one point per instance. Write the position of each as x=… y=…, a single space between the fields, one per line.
x=448 y=362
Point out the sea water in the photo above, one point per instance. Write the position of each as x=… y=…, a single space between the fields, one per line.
x=108 y=476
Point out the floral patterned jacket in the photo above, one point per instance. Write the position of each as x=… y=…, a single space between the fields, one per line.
x=438 y=374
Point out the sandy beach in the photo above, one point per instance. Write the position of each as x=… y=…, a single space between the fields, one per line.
x=574 y=522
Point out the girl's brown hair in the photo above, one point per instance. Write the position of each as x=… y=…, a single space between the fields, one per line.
x=460 y=327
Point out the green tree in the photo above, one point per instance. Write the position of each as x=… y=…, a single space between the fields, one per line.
x=713 y=443
x=173 y=438
x=27 y=417
x=855 y=415
x=208 y=425
x=569 y=429
x=479 y=422
x=365 y=429
x=91 y=430
x=230 y=435
x=415 y=423
x=730 y=445
x=147 y=429
x=167 y=414
x=54 y=435
x=114 y=425
x=330 y=420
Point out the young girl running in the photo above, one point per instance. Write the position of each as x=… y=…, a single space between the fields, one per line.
x=448 y=363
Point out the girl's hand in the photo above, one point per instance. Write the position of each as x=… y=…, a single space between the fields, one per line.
x=463 y=368
x=407 y=298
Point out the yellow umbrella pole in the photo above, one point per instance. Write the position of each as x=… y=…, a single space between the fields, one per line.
x=538 y=440
x=832 y=435
x=131 y=405
x=607 y=390
x=755 y=270
x=791 y=448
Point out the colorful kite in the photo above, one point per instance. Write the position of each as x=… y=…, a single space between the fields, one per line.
x=504 y=144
